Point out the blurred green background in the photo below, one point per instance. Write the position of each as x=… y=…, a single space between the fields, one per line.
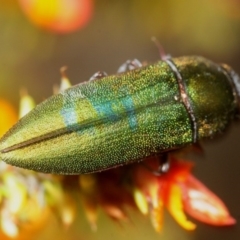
x=120 y=30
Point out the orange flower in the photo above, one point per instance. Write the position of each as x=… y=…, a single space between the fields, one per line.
x=178 y=191
x=59 y=16
x=8 y=116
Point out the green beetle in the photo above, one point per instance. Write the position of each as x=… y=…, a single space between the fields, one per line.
x=123 y=118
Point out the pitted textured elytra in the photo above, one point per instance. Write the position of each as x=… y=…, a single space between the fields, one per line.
x=124 y=118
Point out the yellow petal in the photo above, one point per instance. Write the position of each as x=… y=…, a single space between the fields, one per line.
x=26 y=103
x=175 y=207
x=16 y=193
x=90 y=207
x=88 y=184
x=91 y=211
x=8 y=225
x=54 y=192
x=141 y=201
x=115 y=212
x=154 y=194
x=31 y=211
x=157 y=216
x=65 y=83
x=67 y=211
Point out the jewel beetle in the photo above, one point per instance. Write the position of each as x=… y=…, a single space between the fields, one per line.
x=120 y=119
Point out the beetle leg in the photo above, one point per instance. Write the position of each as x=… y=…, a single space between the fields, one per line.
x=98 y=75
x=129 y=65
x=164 y=165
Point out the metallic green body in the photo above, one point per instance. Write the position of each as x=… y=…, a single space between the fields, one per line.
x=122 y=118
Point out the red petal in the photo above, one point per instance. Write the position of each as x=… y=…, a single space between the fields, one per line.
x=205 y=206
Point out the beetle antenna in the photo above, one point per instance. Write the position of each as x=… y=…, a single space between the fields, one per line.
x=161 y=51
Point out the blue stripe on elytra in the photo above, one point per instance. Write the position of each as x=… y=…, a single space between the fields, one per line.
x=70 y=118
x=129 y=106
x=106 y=109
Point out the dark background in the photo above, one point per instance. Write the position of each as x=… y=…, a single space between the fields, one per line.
x=119 y=30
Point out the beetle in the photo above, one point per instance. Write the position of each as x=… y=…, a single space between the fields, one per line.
x=120 y=119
